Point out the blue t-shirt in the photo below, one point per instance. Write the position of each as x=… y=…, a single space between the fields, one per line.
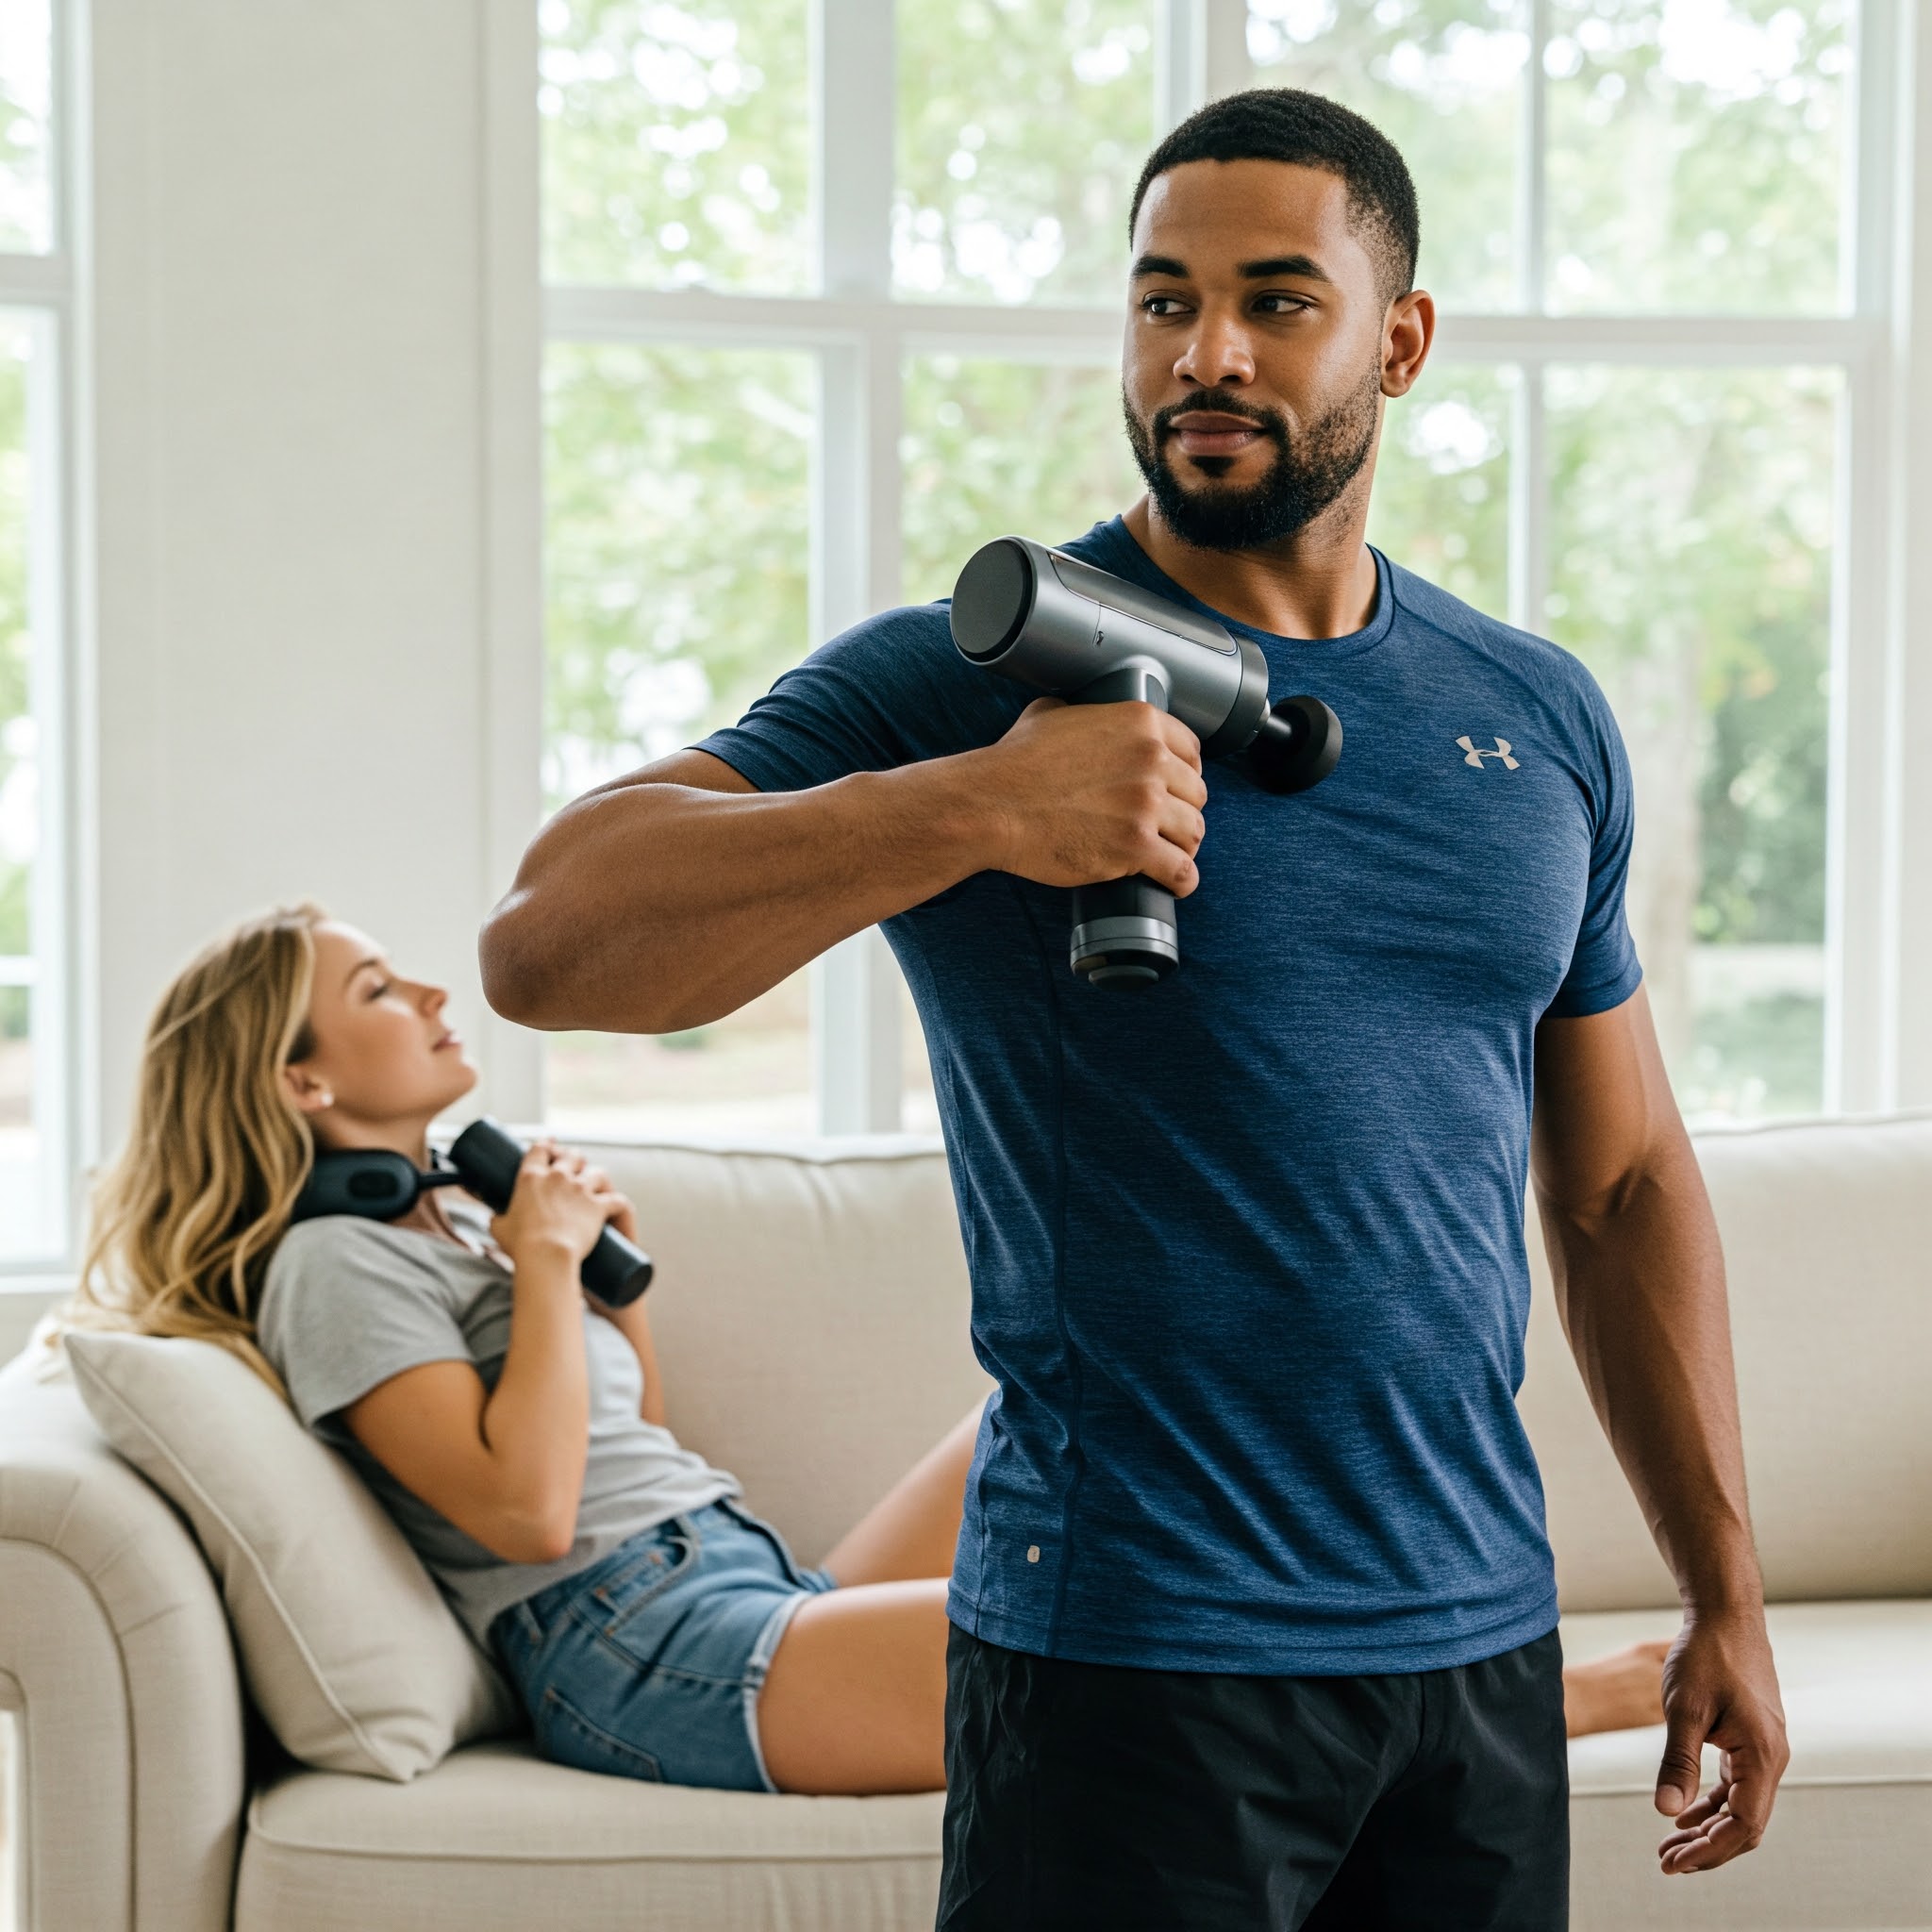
x=1247 y=1247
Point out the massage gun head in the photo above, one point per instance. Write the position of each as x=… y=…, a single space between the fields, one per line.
x=1050 y=622
x=1298 y=745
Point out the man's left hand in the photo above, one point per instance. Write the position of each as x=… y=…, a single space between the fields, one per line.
x=1719 y=1688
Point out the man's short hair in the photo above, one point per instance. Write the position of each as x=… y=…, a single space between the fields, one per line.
x=1284 y=124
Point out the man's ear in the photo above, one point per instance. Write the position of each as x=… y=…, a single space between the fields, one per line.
x=1407 y=334
x=309 y=1093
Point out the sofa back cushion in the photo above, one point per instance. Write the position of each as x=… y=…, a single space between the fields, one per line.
x=346 y=1644
x=811 y=1313
x=1827 y=1236
x=812 y=1316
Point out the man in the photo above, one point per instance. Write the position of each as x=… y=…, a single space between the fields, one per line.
x=1253 y=1613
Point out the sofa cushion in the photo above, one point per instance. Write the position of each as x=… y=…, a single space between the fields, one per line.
x=1848 y=1839
x=811 y=1315
x=1824 y=1227
x=494 y=1837
x=346 y=1644
x=800 y=1289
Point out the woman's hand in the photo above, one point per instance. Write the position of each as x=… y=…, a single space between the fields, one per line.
x=560 y=1204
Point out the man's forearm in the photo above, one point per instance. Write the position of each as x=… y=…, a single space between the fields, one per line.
x=1641 y=1285
x=647 y=906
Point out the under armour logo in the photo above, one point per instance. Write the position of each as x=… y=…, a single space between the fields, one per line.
x=1475 y=758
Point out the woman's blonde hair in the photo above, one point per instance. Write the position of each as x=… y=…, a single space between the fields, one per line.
x=182 y=1225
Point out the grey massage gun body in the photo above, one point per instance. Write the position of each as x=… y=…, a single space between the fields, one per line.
x=1060 y=626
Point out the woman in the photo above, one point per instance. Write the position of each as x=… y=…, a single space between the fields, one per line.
x=652 y=1626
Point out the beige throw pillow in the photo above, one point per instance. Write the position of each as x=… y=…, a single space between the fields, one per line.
x=346 y=1644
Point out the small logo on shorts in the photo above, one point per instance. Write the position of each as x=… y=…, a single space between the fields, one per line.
x=1473 y=756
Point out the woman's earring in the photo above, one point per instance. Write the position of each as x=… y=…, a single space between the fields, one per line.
x=328 y=1099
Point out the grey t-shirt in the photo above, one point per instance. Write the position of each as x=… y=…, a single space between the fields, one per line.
x=349 y=1302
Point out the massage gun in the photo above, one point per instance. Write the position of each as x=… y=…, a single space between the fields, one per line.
x=1048 y=620
x=380 y=1185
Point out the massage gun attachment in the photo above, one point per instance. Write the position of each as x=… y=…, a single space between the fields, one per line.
x=1050 y=622
x=374 y=1182
x=381 y=1184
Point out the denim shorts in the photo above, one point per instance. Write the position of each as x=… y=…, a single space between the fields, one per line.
x=649 y=1663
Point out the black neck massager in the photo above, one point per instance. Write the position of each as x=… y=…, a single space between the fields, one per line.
x=380 y=1185
x=1048 y=620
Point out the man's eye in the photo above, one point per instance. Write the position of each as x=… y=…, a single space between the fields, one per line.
x=1290 y=304
x=381 y=988
x=1160 y=304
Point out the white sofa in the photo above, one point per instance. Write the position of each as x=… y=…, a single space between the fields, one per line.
x=811 y=1311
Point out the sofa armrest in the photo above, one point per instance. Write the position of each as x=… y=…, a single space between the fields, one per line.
x=117 y=1663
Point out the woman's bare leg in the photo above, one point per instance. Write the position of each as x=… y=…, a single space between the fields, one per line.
x=1617 y=1692
x=854 y=1701
x=913 y=1530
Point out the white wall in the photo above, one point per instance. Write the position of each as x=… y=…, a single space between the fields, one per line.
x=306 y=286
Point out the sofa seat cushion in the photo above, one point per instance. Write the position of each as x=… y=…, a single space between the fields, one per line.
x=496 y=1838
x=1851 y=1841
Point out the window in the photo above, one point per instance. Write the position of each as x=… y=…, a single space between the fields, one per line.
x=1645 y=196
x=37 y=1083
x=833 y=296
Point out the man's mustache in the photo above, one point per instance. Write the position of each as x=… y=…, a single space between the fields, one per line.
x=1212 y=402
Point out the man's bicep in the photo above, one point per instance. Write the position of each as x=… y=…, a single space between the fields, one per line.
x=1604 y=1104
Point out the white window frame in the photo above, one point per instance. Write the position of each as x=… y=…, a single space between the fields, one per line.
x=1879 y=1033
x=44 y=287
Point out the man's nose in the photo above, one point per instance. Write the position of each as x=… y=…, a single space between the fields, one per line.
x=1216 y=352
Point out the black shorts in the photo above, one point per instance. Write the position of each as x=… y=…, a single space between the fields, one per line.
x=1090 y=1798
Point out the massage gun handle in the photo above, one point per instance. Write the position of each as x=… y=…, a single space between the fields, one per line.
x=616 y=1270
x=1124 y=932
x=1137 y=897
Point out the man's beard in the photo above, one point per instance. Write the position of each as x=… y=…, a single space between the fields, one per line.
x=1308 y=473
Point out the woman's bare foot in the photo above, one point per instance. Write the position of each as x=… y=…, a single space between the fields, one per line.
x=1616 y=1692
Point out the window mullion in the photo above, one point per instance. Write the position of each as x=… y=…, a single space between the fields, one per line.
x=1529 y=466
x=852 y=90
x=63 y=68
x=1181 y=67
x=1226 y=67
x=51 y=925
x=1896 y=226
x=1860 y=941
x=1868 y=945
x=853 y=77
x=1867 y=231
x=854 y=491
x=1529 y=505
x=1532 y=166
x=1201 y=54
x=511 y=477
